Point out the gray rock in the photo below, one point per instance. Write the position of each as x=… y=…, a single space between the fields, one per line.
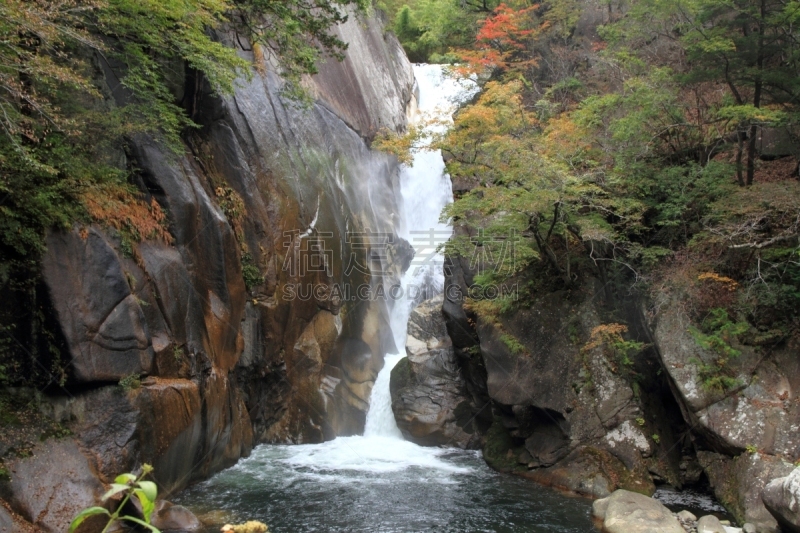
x=630 y=512
x=756 y=412
x=781 y=497
x=709 y=524
x=174 y=518
x=738 y=483
x=6 y=521
x=429 y=396
x=686 y=516
x=749 y=528
x=53 y=485
x=104 y=328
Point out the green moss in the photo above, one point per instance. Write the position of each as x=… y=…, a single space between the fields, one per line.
x=131 y=382
x=401 y=374
x=250 y=272
x=498 y=444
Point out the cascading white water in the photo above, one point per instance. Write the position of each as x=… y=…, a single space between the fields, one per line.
x=426 y=189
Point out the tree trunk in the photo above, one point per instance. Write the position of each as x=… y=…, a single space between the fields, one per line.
x=751 y=145
x=739 y=153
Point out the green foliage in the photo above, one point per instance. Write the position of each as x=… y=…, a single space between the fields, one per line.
x=131 y=382
x=716 y=334
x=250 y=272
x=125 y=486
x=63 y=132
x=751 y=449
x=427 y=29
x=511 y=342
x=619 y=350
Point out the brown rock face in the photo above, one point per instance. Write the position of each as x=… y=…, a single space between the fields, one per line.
x=429 y=396
x=223 y=364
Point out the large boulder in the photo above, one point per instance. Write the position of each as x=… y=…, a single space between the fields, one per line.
x=709 y=524
x=53 y=485
x=758 y=411
x=781 y=497
x=630 y=512
x=105 y=329
x=429 y=397
x=574 y=416
x=738 y=482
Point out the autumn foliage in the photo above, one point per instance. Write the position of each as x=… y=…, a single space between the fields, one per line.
x=502 y=40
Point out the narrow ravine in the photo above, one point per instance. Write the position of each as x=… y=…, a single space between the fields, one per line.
x=378 y=481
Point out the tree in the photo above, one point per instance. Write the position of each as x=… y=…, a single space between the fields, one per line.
x=501 y=41
x=750 y=47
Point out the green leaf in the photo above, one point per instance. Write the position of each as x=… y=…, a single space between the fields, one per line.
x=148 y=505
x=116 y=488
x=142 y=523
x=86 y=513
x=150 y=489
x=125 y=479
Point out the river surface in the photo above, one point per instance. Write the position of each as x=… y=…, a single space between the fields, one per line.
x=378 y=482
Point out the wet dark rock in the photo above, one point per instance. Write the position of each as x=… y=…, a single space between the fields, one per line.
x=429 y=396
x=171 y=518
x=738 y=482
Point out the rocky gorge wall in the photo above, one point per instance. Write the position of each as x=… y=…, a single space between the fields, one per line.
x=569 y=413
x=213 y=364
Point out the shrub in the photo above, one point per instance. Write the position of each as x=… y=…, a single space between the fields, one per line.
x=127 y=485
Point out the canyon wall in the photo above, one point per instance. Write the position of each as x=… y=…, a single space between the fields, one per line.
x=229 y=336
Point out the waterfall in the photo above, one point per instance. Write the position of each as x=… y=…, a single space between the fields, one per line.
x=426 y=190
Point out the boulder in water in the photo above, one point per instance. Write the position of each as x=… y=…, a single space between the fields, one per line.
x=169 y=517
x=631 y=512
x=429 y=397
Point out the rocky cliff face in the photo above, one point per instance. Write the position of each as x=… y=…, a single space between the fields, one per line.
x=553 y=405
x=224 y=364
x=747 y=433
x=560 y=413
